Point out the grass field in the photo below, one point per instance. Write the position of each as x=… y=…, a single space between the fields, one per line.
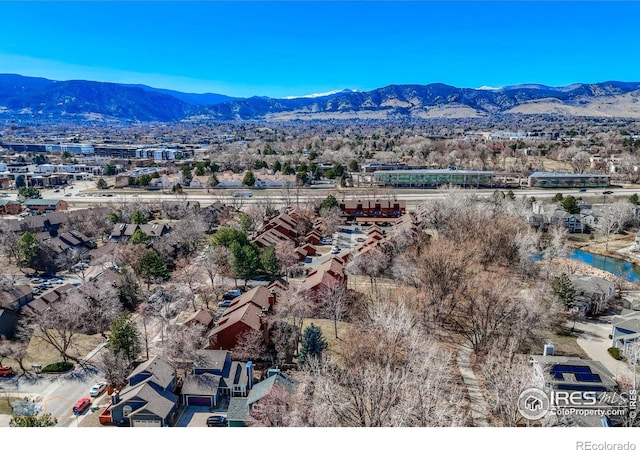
x=5 y=403
x=41 y=352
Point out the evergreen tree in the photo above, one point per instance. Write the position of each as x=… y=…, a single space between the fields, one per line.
x=270 y=263
x=139 y=237
x=138 y=217
x=564 y=290
x=109 y=170
x=329 y=202
x=249 y=178
x=246 y=260
x=313 y=343
x=570 y=204
x=28 y=192
x=101 y=184
x=633 y=198
x=151 y=267
x=28 y=248
x=125 y=338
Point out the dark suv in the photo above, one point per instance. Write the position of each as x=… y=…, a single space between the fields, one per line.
x=217 y=421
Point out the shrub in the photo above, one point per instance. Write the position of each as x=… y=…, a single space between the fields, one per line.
x=60 y=366
x=615 y=352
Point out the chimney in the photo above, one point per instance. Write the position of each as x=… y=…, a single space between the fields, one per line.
x=115 y=397
x=272 y=297
x=250 y=374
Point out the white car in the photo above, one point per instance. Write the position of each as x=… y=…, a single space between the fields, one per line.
x=97 y=389
x=335 y=250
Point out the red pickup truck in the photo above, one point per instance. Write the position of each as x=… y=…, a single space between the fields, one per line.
x=5 y=371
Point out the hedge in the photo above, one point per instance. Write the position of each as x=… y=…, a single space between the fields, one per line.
x=60 y=366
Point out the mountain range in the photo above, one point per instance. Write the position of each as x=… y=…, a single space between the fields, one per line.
x=90 y=100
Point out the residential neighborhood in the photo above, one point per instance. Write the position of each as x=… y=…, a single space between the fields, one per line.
x=175 y=290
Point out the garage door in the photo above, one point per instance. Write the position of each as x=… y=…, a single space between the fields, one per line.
x=199 y=401
x=146 y=423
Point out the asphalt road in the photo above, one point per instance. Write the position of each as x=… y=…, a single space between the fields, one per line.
x=56 y=393
x=85 y=195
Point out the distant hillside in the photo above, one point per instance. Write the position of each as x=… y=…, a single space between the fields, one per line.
x=192 y=99
x=40 y=97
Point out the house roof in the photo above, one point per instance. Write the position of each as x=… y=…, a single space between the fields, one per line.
x=203 y=384
x=263 y=388
x=7 y=297
x=566 y=379
x=154 y=229
x=259 y=296
x=211 y=359
x=156 y=403
x=162 y=372
x=38 y=305
x=248 y=314
x=202 y=317
x=589 y=284
x=238 y=409
x=41 y=202
x=628 y=324
x=237 y=375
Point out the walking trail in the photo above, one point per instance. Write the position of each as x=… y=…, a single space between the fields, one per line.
x=479 y=407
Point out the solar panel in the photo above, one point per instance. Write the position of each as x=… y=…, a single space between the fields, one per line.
x=588 y=377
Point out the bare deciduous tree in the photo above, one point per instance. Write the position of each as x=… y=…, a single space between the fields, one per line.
x=58 y=326
x=250 y=345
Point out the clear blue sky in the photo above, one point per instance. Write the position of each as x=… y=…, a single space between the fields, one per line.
x=294 y=48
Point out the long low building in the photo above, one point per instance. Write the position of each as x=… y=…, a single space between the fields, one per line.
x=431 y=178
x=568 y=180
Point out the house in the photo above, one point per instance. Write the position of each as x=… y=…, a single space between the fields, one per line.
x=592 y=293
x=200 y=317
x=578 y=379
x=625 y=333
x=71 y=240
x=572 y=222
x=232 y=325
x=148 y=400
x=239 y=411
x=124 y=231
x=259 y=296
x=45 y=205
x=215 y=376
x=154 y=229
x=11 y=302
x=10 y=207
x=328 y=272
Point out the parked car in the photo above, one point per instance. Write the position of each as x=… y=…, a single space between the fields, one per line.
x=582 y=190
x=81 y=405
x=225 y=303
x=607 y=192
x=5 y=371
x=326 y=241
x=360 y=239
x=97 y=389
x=217 y=421
x=230 y=295
x=335 y=250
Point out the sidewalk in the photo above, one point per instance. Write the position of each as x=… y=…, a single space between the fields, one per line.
x=478 y=405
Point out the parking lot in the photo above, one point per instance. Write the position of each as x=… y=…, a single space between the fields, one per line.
x=346 y=238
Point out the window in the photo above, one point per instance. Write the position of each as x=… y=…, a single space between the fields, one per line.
x=126 y=410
